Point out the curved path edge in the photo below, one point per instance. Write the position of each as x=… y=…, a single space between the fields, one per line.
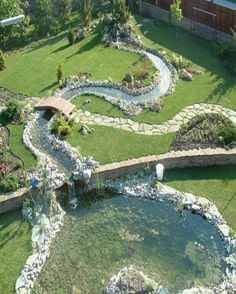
x=169 y=126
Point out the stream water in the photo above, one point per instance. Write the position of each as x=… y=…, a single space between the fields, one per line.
x=177 y=249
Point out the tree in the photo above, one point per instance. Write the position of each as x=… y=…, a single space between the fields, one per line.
x=11 y=8
x=59 y=74
x=71 y=36
x=43 y=18
x=121 y=11
x=176 y=13
x=2 y=61
x=86 y=12
x=62 y=10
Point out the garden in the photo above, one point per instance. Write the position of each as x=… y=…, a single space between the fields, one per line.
x=139 y=89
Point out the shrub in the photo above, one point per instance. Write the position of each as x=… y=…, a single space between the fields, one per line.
x=10 y=183
x=61 y=126
x=2 y=61
x=59 y=74
x=13 y=111
x=227 y=135
x=222 y=50
x=178 y=62
x=121 y=12
x=71 y=36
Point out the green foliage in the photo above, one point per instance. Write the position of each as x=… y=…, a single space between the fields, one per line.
x=62 y=10
x=13 y=111
x=227 y=135
x=121 y=11
x=59 y=74
x=61 y=126
x=2 y=61
x=10 y=183
x=222 y=50
x=178 y=62
x=102 y=6
x=86 y=12
x=11 y=8
x=71 y=36
x=43 y=18
x=176 y=11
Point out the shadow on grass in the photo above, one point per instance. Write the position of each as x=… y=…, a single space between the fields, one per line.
x=224 y=173
x=6 y=220
x=224 y=86
x=48 y=87
x=87 y=46
x=61 y=48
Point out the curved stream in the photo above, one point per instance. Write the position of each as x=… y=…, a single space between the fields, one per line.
x=160 y=90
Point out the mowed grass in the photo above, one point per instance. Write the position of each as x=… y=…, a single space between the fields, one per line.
x=214 y=86
x=16 y=144
x=217 y=183
x=108 y=144
x=33 y=71
x=98 y=105
x=15 y=244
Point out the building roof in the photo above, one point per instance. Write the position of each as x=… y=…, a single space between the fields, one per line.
x=57 y=104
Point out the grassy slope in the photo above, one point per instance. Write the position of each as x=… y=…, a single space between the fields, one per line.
x=109 y=145
x=217 y=183
x=33 y=71
x=15 y=244
x=214 y=86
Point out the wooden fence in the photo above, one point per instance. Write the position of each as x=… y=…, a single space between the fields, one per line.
x=204 y=12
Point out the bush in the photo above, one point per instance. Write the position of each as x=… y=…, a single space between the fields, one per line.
x=178 y=62
x=222 y=51
x=227 y=135
x=10 y=183
x=61 y=126
x=13 y=111
x=71 y=36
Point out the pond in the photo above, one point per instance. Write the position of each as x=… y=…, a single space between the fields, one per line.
x=170 y=245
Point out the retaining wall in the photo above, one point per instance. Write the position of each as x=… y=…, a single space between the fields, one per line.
x=194 y=27
x=181 y=159
x=173 y=159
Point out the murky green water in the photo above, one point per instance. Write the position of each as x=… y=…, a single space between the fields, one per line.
x=99 y=240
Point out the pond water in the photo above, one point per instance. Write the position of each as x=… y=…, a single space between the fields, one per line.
x=177 y=249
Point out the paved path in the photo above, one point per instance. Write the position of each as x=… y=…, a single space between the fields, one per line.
x=170 y=126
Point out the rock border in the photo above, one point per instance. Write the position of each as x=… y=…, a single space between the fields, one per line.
x=142 y=188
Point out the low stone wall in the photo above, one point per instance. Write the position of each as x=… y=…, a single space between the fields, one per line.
x=173 y=159
x=12 y=201
x=196 y=28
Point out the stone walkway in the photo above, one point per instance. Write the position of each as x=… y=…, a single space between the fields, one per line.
x=170 y=126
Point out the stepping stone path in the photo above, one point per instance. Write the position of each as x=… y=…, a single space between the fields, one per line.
x=170 y=126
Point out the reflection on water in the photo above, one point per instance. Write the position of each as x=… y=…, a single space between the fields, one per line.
x=177 y=249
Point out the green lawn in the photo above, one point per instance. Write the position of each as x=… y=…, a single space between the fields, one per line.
x=15 y=244
x=108 y=144
x=217 y=183
x=214 y=86
x=33 y=71
x=16 y=144
x=98 y=105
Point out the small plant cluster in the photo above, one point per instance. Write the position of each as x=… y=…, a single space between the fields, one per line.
x=227 y=53
x=10 y=183
x=183 y=68
x=13 y=111
x=206 y=130
x=140 y=72
x=61 y=126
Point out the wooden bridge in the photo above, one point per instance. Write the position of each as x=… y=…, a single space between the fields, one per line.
x=55 y=104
